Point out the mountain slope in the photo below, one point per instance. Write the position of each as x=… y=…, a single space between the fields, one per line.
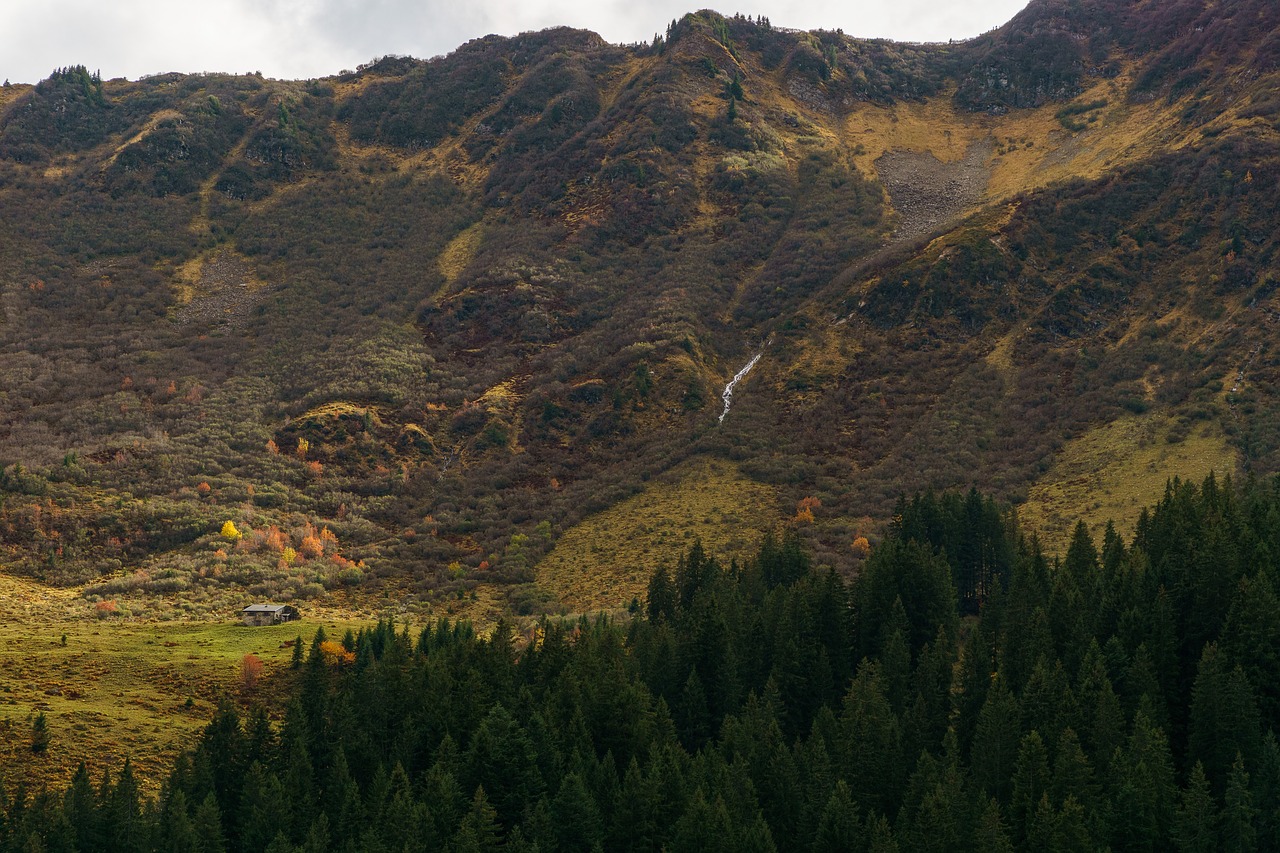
x=447 y=310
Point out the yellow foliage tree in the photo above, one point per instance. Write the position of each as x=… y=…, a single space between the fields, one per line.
x=335 y=653
x=805 y=508
x=229 y=531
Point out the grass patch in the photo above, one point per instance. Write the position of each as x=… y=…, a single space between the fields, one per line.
x=119 y=688
x=1113 y=471
x=607 y=559
x=459 y=253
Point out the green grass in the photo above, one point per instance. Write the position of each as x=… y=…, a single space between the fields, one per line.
x=1113 y=471
x=607 y=559
x=119 y=688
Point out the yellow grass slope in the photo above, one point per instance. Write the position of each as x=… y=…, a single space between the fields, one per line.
x=1113 y=471
x=607 y=559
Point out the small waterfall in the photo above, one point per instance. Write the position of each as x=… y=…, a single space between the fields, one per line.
x=727 y=396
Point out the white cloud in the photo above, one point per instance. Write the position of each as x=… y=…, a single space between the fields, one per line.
x=312 y=38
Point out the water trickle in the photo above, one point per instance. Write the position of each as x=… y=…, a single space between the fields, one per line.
x=727 y=396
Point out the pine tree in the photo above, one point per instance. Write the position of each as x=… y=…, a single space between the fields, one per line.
x=1224 y=717
x=1030 y=784
x=661 y=600
x=880 y=836
x=40 y=734
x=479 y=829
x=1073 y=777
x=263 y=808
x=81 y=810
x=207 y=823
x=578 y=823
x=1238 y=814
x=1266 y=784
x=121 y=810
x=177 y=831
x=1194 y=825
x=634 y=827
x=870 y=741
x=1071 y=830
x=840 y=827
x=504 y=761
x=990 y=834
x=1143 y=789
x=995 y=742
x=1251 y=639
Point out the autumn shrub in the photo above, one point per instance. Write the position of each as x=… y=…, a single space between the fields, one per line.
x=250 y=672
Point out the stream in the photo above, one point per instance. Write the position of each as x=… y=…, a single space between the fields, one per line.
x=727 y=396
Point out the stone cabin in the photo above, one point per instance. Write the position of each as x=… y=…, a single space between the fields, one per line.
x=268 y=614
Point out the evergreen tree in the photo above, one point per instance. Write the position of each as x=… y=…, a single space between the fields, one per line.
x=177 y=831
x=123 y=827
x=1238 y=833
x=661 y=599
x=870 y=741
x=81 y=810
x=1224 y=717
x=880 y=836
x=1143 y=789
x=1194 y=825
x=995 y=743
x=504 y=762
x=1030 y=785
x=990 y=834
x=840 y=828
x=263 y=811
x=479 y=830
x=578 y=824
x=207 y=825
x=40 y=734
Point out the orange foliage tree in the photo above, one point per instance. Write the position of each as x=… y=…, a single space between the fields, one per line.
x=311 y=547
x=805 y=508
x=250 y=671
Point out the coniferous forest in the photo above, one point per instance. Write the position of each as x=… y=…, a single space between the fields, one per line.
x=962 y=693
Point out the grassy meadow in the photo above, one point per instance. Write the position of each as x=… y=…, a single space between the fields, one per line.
x=1111 y=472
x=116 y=687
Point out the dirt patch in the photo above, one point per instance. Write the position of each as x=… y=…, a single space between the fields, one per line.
x=927 y=192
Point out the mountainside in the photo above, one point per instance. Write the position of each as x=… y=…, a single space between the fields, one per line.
x=413 y=330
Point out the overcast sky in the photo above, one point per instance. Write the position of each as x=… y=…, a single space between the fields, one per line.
x=316 y=38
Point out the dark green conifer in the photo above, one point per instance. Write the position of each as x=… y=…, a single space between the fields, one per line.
x=1195 y=823
x=1238 y=833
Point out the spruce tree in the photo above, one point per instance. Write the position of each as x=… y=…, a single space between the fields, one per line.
x=1238 y=834
x=1195 y=824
